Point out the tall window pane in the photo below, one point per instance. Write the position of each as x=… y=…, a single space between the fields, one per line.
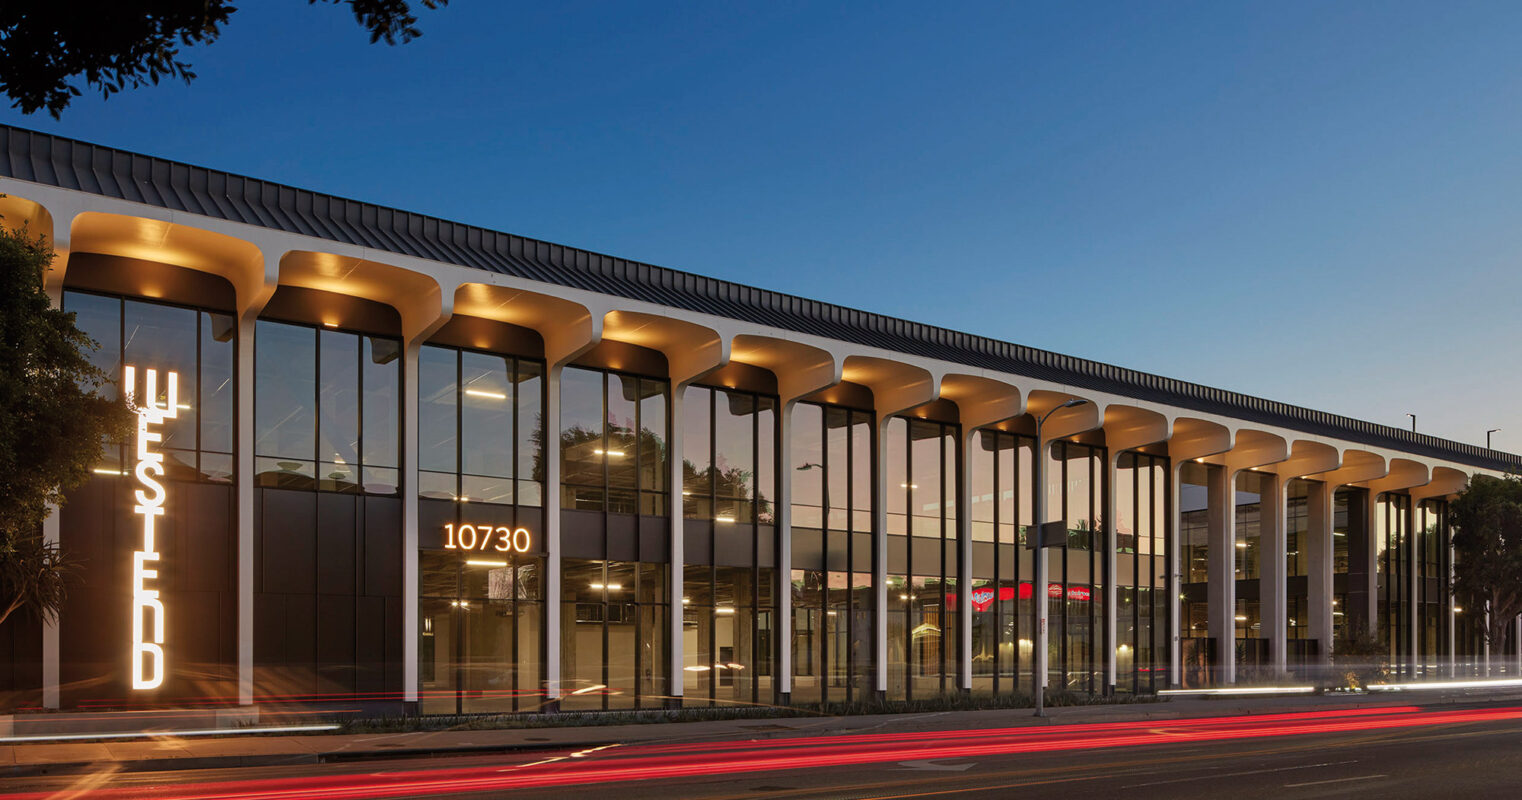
x=218 y=400
x=285 y=400
x=581 y=438
x=164 y=338
x=807 y=469
x=766 y=455
x=697 y=467
x=530 y=432
x=382 y=360
x=438 y=409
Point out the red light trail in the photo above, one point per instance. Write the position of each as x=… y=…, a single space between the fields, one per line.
x=664 y=762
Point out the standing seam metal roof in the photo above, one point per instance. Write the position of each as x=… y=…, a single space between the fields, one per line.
x=70 y=164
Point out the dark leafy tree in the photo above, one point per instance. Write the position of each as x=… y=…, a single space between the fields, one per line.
x=1486 y=520
x=48 y=46
x=53 y=419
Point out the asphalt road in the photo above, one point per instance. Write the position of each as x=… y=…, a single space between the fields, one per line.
x=1436 y=752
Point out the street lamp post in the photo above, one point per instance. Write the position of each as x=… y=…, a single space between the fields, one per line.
x=1487 y=437
x=1413 y=422
x=1039 y=591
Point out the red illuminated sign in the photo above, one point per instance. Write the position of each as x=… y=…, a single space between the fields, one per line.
x=983 y=597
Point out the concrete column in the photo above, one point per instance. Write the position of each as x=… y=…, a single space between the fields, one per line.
x=50 y=699
x=1041 y=601
x=1221 y=513
x=51 y=532
x=1112 y=595
x=410 y=354
x=243 y=386
x=676 y=507
x=1175 y=544
x=964 y=556
x=784 y=515
x=1453 y=618
x=880 y=561
x=1375 y=532
x=551 y=460
x=1319 y=593
x=1413 y=584
x=1273 y=594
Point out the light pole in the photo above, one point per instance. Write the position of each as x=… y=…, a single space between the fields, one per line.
x=1487 y=437
x=1413 y=422
x=1039 y=591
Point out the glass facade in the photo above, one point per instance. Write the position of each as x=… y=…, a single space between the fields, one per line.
x=1077 y=592
x=326 y=409
x=729 y=441
x=1141 y=573
x=1001 y=570
x=480 y=560
x=831 y=575
x=1414 y=592
x=613 y=442
x=197 y=345
x=613 y=642
x=615 y=611
x=479 y=427
x=921 y=460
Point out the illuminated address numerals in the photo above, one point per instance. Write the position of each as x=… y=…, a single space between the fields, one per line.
x=485 y=537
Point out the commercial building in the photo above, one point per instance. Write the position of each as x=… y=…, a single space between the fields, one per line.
x=392 y=459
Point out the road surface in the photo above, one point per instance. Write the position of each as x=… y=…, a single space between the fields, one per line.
x=1463 y=751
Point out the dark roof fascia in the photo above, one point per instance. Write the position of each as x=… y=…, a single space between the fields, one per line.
x=70 y=164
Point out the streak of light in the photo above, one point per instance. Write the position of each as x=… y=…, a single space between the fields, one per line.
x=1243 y=690
x=637 y=763
x=1481 y=684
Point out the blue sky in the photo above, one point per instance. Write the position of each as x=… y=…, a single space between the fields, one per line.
x=1312 y=202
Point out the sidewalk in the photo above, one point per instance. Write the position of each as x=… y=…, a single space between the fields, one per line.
x=173 y=753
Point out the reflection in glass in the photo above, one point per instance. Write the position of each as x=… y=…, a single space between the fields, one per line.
x=198 y=346
x=330 y=397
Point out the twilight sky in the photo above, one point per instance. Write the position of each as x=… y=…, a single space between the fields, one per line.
x=1312 y=202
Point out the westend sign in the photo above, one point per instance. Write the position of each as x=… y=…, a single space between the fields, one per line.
x=147 y=653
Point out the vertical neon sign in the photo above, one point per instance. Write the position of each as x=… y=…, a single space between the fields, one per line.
x=148 y=652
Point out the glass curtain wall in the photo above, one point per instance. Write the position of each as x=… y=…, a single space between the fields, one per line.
x=1076 y=594
x=1141 y=511
x=831 y=580
x=1301 y=648
x=198 y=345
x=921 y=460
x=1251 y=642
x=481 y=607
x=613 y=442
x=1413 y=585
x=1432 y=583
x=1393 y=560
x=1194 y=558
x=1001 y=569
x=614 y=613
x=1345 y=505
x=326 y=409
x=729 y=479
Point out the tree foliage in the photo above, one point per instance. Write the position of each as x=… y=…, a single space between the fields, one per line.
x=1486 y=520
x=53 y=418
x=47 y=46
